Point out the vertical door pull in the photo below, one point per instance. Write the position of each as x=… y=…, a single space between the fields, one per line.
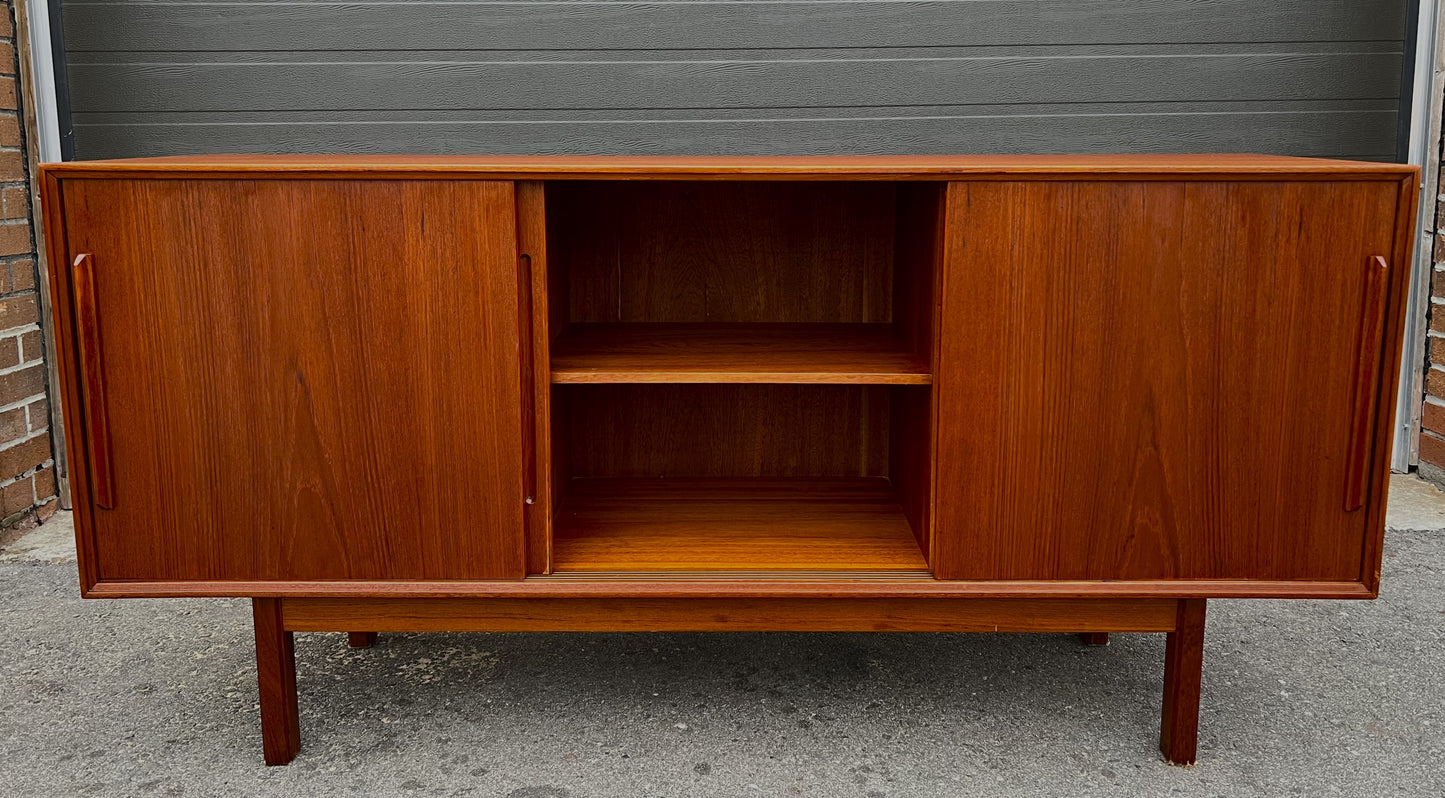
x=1367 y=369
x=92 y=375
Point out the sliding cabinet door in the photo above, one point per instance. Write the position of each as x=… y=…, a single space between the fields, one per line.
x=1164 y=380
x=296 y=379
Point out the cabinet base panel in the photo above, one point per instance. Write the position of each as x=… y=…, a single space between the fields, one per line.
x=277 y=619
x=691 y=586
x=730 y=615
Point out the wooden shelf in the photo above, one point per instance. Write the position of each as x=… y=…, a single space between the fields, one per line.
x=733 y=525
x=722 y=353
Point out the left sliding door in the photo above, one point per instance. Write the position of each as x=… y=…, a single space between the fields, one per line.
x=293 y=379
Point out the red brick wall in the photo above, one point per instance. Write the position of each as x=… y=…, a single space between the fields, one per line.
x=1432 y=436
x=27 y=464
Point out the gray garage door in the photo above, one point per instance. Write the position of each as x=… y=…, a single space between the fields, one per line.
x=1301 y=77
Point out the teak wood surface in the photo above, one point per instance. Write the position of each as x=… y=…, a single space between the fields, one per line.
x=1066 y=394
x=1170 y=384
x=730 y=525
x=880 y=167
x=296 y=386
x=367 y=394
x=874 y=354
x=740 y=615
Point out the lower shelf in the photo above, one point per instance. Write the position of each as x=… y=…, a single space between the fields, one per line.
x=734 y=526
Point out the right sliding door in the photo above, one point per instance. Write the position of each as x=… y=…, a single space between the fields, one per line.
x=1143 y=380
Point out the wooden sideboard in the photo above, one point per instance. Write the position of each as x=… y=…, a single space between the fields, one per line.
x=1045 y=394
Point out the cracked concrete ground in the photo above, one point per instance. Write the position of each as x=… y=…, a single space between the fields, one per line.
x=142 y=697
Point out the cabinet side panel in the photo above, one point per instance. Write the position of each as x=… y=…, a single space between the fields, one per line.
x=307 y=379
x=918 y=252
x=1152 y=380
x=1401 y=216
x=62 y=319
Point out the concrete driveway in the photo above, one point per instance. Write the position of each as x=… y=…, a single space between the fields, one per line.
x=140 y=697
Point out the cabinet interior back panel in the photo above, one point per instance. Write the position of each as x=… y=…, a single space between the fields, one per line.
x=724 y=430
x=724 y=251
x=1297 y=77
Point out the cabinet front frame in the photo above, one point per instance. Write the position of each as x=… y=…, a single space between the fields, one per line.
x=543 y=586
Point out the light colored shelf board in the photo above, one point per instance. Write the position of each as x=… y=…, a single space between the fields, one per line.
x=736 y=353
x=733 y=525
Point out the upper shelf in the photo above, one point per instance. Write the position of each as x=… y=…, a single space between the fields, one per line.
x=717 y=353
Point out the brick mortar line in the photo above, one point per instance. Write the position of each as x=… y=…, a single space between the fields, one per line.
x=21 y=367
x=18 y=441
x=32 y=472
x=18 y=332
x=19 y=403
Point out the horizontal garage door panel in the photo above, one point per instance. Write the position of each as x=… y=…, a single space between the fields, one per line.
x=1345 y=129
x=731 y=80
x=1299 y=77
x=703 y=23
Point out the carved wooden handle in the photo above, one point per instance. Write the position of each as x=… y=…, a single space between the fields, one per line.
x=1367 y=367
x=87 y=337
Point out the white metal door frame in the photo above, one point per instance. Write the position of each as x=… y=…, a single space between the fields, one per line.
x=1424 y=151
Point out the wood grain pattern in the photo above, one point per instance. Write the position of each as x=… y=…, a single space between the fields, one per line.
x=539 y=325
x=671 y=525
x=691 y=251
x=619 y=435
x=733 y=615
x=742 y=585
x=871 y=354
x=911 y=434
x=276 y=677
x=1183 y=676
x=823 y=167
x=919 y=237
x=313 y=379
x=1403 y=247
x=726 y=430
x=1366 y=388
x=68 y=365
x=1148 y=366
x=92 y=370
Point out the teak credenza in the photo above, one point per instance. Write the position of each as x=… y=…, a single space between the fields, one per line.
x=1045 y=394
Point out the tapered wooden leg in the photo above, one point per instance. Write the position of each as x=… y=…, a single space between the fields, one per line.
x=276 y=672
x=1094 y=638
x=361 y=639
x=1183 y=674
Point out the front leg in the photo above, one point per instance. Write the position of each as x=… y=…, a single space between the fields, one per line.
x=1183 y=675
x=276 y=674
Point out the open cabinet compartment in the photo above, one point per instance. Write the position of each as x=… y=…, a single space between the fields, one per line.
x=741 y=375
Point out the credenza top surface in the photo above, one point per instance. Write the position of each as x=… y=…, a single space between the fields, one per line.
x=755 y=167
